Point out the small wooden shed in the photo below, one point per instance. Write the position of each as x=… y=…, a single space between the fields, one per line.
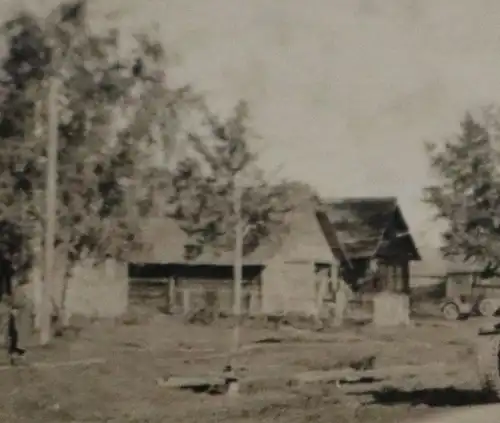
x=373 y=242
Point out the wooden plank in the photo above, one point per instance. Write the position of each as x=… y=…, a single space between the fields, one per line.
x=349 y=375
x=146 y=281
x=191 y=382
x=186 y=301
x=170 y=292
x=277 y=378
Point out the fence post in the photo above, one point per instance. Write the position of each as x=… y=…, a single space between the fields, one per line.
x=171 y=295
x=186 y=301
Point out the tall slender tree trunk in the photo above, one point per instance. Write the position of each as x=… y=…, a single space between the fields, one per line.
x=51 y=210
x=237 y=265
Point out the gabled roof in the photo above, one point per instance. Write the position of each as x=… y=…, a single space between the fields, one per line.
x=361 y=223
x=166 y=241
x=330 y=234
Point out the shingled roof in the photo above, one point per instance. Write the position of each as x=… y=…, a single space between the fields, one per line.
x=360 y=223
x=166 y=243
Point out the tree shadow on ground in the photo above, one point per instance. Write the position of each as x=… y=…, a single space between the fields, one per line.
x=432 y=397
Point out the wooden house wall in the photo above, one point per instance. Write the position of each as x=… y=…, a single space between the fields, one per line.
x=281 y=287
x=302 y=289
x=286 y=282
x=293 y=278
x=184 y=292
x=92 y=290
x=393 y=276
x=288 y=287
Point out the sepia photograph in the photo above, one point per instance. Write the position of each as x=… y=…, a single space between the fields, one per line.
x=249 y=211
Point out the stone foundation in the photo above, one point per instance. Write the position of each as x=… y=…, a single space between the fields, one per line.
x=391 y=309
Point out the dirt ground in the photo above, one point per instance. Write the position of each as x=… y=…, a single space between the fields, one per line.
x=149 y=346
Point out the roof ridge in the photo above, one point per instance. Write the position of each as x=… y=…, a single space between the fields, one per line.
x=366 y=218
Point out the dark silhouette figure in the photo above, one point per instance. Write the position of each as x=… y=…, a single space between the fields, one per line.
x=7 y=295
x=138 y=68
x=6 y=274
x=13 y=338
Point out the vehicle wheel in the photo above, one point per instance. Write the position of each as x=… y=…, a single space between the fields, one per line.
x=451 y=311
x=487 y=308
x=488 y=359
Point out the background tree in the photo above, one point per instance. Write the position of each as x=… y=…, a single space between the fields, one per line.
x=203 y=186
x=466 y=194
x=116 y=114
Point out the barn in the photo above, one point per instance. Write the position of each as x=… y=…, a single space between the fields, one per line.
x=289 y=271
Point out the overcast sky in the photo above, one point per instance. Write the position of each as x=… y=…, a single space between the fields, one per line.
x=343 y=92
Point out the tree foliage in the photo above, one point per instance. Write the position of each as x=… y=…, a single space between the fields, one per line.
x=117 y=120
x=466 y=194
x=116 y=114
x=203 y=187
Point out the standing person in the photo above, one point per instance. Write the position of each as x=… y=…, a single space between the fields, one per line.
x=13 y=348
x=18 y=322
x=6 y=274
